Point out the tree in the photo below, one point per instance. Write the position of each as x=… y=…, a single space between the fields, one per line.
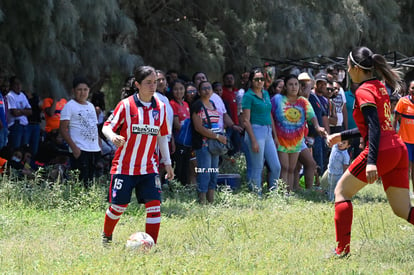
x=218 y=35
x=47 y=43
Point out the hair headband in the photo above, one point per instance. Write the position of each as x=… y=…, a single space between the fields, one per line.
x=356 y=63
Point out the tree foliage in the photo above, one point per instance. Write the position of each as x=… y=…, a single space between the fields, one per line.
x=218 y=35
x=47 y=42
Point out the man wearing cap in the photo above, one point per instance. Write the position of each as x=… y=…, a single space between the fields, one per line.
x=321 y=108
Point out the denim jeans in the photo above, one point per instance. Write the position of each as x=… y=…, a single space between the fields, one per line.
x=267 y=150
x=16 y=135
x=206 y=170
x=245 y=149
x=3 y=137
x=333 y=181
x=319 y=153
x=32 y=137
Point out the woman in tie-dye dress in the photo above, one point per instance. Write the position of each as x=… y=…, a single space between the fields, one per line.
x=291 y=112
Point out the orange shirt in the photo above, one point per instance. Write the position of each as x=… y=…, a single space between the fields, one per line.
x=53 y=122
x=405 y=108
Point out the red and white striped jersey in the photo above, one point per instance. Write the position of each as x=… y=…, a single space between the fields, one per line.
x=140 y=126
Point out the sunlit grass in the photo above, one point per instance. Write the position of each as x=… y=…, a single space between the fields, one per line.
x=55 y=229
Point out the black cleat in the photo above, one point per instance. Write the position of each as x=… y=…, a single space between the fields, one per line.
x=106 y=240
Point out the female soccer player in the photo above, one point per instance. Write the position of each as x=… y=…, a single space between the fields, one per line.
x=385 y=155
x=137 y=125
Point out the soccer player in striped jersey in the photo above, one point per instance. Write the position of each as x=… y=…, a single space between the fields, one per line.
x=137 y=127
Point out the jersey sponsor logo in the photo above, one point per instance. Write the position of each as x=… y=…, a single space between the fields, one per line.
x=156 y=114
x=143 y=129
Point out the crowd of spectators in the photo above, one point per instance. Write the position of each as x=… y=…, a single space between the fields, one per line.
x=277 y=123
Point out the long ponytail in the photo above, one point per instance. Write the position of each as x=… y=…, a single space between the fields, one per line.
x=364 y=58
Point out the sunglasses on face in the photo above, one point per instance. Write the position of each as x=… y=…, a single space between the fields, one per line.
x=257 y=79
x=192 y=91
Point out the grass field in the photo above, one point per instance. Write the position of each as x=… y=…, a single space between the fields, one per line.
x=56 y=229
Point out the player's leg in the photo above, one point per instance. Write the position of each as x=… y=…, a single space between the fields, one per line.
x=346 y=188
x=120 y=191
x=399 y=199
x=148 y=191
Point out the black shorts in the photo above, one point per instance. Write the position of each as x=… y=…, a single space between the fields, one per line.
x=147 y=188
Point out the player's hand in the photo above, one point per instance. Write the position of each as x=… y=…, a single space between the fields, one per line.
x=170 y=172
x=372 y=173
x=333 y=139
x=118 y=140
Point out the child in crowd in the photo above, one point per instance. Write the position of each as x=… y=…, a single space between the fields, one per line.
x=338 y=163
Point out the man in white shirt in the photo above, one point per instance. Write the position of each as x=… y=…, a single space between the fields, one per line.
x=18 y=111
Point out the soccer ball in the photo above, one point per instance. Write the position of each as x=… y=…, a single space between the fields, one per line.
x=141 y=241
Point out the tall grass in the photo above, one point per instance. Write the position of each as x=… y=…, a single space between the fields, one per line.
x=54 y=228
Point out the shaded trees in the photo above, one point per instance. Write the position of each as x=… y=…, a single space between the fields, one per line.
x=217 y=35
x=46 y=43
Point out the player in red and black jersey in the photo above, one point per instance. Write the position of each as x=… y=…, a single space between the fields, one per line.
x=137 y=126
x=385 y=155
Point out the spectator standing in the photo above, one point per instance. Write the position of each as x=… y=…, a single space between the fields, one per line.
x=305 y=155
x=161 y=95
x=321 y=108
x=98 y=100
x=354 y=149
x=261 y=136
x=338 y=101
x=182 y=152
x=52 y=108
x=18 y=111
x=290 y=113
x=229 y=97
x=79 y=128
x=338 y=163
x=3 y=122
x=191 y=92
x=404 y=113
x=32 y=134
x=205 y=118
x=225 y=120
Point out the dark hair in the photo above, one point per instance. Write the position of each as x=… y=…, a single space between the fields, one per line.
x=228 y=73
x=13 y=79
x=178 y=81
x=79 y=80
x=284 y=92
x=187 y=84
x=252 y=72
x=196 y=73
x=364 y=58
x=141 y=72
x=160 y=72
x=330 y=69
x=197 y=95
x=201 y=83
x=216 y=84
x=394 y=98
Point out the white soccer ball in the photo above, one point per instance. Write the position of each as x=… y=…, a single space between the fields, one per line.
x=141 y=241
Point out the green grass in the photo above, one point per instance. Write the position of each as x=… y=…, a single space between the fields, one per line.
x=55 y=229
